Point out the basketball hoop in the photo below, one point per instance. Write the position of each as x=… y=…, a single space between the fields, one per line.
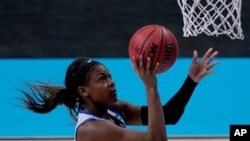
x=212 y=17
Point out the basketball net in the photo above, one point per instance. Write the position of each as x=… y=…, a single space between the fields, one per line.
x=212 y=17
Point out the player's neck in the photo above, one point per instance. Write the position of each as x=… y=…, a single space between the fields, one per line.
x=97 y=109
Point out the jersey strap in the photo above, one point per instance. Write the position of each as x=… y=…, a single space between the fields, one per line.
x=116 y=117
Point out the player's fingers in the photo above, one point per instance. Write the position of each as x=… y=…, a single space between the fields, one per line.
x=148 y=65
x=210 y=66
x=134 y=61
x=195 y=56
x=207 y=54
x=156 y=68
x=140 y=62
x=212 y=56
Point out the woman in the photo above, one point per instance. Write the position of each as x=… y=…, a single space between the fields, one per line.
x=90 y=95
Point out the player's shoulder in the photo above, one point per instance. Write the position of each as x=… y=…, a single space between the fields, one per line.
x=91 y=125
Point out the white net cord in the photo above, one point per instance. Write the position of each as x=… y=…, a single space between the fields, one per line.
x=212 y=17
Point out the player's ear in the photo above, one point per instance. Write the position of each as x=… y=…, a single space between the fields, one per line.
x=82 y=91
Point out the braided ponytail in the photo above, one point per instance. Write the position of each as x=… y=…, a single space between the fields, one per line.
x=42 y=98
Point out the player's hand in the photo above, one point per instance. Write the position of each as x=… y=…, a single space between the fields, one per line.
x=203 y=67
x=147 y=75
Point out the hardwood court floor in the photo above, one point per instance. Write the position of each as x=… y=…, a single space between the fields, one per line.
x=71 y=139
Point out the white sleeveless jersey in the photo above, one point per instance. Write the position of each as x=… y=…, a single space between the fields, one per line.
x=85 y=116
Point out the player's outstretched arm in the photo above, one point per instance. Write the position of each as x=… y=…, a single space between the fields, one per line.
x=174 y=108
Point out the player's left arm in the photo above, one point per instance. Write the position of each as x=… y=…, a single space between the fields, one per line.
x=174 y=108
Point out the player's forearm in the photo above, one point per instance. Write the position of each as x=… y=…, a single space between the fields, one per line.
x=181 y=98
x=156 y=126
x=174 y=108
x=176 y=105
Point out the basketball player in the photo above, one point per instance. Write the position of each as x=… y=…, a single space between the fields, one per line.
x=90 y=96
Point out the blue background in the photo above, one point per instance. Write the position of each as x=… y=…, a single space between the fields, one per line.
x=220 y=99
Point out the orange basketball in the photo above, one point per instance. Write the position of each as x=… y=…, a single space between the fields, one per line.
x=156 y=42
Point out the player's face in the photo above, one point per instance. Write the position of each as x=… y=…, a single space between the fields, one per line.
x=101 y=87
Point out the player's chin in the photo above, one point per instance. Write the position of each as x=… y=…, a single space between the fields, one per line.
x=113 y=99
